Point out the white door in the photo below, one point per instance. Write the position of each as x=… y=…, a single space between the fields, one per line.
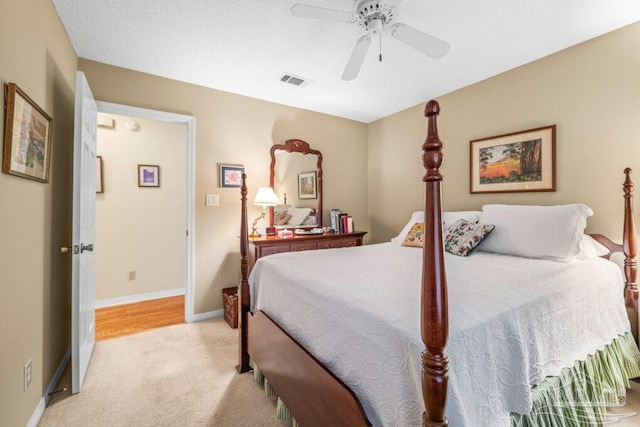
x=83 y=318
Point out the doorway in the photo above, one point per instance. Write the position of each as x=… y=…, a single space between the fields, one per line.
x=134 y=118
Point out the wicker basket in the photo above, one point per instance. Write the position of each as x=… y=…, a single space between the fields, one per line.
x=230 y=302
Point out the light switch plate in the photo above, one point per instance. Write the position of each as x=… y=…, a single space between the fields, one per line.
x=212 y=200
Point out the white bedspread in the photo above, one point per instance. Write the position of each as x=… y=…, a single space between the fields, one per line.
x=513 y=321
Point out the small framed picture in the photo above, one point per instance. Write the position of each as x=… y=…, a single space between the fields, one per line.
x=307 y=185
x=231 y=176
x=148 y=176
x=515 y=162
x=99 y=187
x=27 y=137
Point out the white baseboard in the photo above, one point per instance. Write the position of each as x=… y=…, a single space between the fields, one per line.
x=42 y=404
x=110 y=302
x=207 y=315
x=56 y=377
x=37 y=414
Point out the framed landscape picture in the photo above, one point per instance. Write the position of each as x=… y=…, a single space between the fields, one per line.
x=307 y=185
x=27 y=137
x=515 y=162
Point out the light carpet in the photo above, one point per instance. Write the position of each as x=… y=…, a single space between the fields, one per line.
x=181 y=375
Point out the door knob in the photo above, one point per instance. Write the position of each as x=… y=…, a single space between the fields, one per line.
x=67 y=249
x=84 y=247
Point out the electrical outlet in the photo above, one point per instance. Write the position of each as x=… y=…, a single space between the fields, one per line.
x=132 y=275
x=27 y=375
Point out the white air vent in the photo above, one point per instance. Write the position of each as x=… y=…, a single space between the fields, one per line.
x=294 y=80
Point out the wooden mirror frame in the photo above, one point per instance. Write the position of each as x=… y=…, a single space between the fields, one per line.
x=298 y=146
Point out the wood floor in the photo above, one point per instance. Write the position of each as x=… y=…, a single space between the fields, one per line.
x=127 y=319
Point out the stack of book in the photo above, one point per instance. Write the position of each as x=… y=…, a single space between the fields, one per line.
x=341 y=222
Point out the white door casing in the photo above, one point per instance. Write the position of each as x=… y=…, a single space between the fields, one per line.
x=190 y=123
x=84 y=223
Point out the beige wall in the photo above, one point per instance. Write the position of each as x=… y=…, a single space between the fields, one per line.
x=35 y=296
x=232 y=129
x=141 y=229
x=590 y=91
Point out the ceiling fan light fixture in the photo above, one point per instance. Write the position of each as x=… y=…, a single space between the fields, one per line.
x=368 y=11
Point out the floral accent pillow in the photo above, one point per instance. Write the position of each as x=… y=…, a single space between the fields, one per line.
x=415 y=236
x=462 y=236
x=281 y=218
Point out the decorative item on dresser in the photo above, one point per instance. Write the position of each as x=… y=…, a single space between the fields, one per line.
x=265 y=197
x=275 y=245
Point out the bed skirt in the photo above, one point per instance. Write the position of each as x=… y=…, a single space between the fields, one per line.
x=579 y=396
x=281 y=410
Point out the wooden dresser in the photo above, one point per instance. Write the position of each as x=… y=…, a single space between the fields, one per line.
x=268 y=245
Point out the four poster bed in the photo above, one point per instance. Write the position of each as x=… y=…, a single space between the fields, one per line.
x=374 y=351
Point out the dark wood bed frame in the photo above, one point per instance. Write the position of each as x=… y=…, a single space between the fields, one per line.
x=314 y=395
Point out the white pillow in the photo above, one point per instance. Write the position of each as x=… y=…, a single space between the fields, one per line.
x=448 y=218
x=590 y=248
x=417 y=216
x=309 y=220
x=547 y=232
x=281 y=208
x=298 y=215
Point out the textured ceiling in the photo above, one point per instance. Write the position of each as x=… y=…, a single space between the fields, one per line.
x=244 y=46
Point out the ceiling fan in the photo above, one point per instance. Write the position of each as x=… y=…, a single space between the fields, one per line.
x=374 y=16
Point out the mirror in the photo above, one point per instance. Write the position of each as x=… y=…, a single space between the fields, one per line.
x=296 y=177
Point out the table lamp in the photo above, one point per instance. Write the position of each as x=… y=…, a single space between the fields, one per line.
x=265 y=197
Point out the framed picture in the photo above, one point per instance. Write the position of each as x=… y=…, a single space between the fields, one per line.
x=148 y=176
x=231 y=176
x=99 y=188
x=307 y=185
x=515 y=162
x=27 y=137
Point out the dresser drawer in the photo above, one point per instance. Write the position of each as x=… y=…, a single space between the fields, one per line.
x=328 y=244
x=272 y=249
x=298 y=243
x=303 y=246
x=347 y=243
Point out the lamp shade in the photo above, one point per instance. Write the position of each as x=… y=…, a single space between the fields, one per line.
x=266 y=197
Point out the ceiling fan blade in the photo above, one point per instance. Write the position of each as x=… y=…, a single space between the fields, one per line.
x=423 y=42
x=306 y=11
x=357 y=57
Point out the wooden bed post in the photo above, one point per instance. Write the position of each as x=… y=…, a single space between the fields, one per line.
x=434 y=310
x=629 y=249
x=243 y=288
